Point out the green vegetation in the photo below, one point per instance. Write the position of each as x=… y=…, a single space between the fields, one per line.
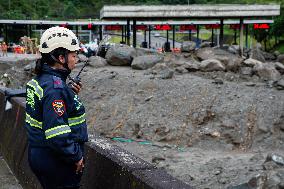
x=85 y=9
x=78 y=9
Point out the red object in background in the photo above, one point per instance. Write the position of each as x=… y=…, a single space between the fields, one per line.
x=89 y=26
x=141 y=27
x=212 y=26
x=163 y=27
x=235 y=26
x=261 y=26
x=113 y=27
x=63 y=25
x=187 y=27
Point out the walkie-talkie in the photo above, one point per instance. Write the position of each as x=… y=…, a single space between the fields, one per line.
x=77 y=79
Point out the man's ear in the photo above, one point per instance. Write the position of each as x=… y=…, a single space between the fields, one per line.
x=61 y=58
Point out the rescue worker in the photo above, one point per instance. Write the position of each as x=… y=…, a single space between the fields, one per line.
x=4 y=49
x=55 y=116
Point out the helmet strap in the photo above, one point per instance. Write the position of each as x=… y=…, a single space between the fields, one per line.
x=65 y=64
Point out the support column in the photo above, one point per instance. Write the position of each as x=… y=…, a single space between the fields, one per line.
x=197 y=35
x=27 y=30
x=173 y=36
x=100 y=32
x=77 y=31
x=235 y=36
x=125 y=34
x=6 y=33
x=122 y=34
x=128 y=33
x=189 y=35
x=149 y=37
x=30 y=31
x=134 y=33
x=221 y=32
x=246 y=35
x=212 y=37
x=241 y=36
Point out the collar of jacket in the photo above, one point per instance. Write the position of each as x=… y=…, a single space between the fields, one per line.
x=63 y=74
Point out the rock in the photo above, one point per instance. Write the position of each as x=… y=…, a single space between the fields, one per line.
x=280 y=84
x=257 y=55
x=191 y=66
x=267 y=72
x=218 y=81
x=234 y=49
x=120 y=55
x=280 y=67
x=205 y=44
x=230 y=61
x=97 y=62
x=143 y=51
x=280 y=58
x=146 y=61
x=82 y=58
x=251 y=62
x=181 y=70
x=280 y=123
x=166 y=74
x=162 y=71
x=275 y=158
x=211 y=65
x=256 y=182
x=269 y=56
x=233 y=64
x=246 y=71
x=30 y=66
x=250 y=84
x=188 y=46
x=276 y=53
x=270 y=165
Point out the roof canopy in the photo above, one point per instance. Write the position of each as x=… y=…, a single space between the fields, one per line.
x=188 y=11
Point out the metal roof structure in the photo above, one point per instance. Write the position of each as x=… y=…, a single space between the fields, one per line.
x=81 y=23
x=188 y=11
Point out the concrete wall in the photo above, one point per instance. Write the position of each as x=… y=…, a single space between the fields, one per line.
x=107 y=166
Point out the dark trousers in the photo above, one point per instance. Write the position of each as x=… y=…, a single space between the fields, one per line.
x=51 y=171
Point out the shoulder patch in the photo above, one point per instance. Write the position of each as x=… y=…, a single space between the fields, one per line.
x=57 y=82
x=59 y=107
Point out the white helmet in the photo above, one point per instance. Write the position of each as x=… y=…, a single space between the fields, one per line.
x=56 y=37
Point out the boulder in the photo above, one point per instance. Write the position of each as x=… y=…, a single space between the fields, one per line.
x=205 y=44
x=234 y=49
x=146 y=61
x=188 y=46
x=230 y=61
x=280 y=58
x=161 y=70
x=257 y=55
x=280 y=67
x=97 y=61
x=211 y=65
x=267 y=72
x=269 y=56
x=82 y=58
x=120 y=55
x=251 y=62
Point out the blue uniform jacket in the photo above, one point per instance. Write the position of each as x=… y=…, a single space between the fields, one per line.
x=55 y=116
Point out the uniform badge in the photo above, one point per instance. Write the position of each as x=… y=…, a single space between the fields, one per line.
x=57 y=82
x=59 y=107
